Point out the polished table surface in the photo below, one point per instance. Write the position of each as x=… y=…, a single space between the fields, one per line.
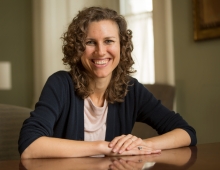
x=202 y=156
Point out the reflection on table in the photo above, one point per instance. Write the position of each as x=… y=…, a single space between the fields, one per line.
x=207 y=157
x=176 y=158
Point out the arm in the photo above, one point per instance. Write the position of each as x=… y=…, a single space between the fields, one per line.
x=173 y=139
x=173 y=129
x=55 y=117
x=47 y=147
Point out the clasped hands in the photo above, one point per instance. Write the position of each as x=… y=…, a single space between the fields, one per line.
x=131 y=145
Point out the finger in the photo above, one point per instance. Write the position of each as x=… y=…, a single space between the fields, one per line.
x=135 y=143
x=156 y=151
x=151 y=151
x=115 y=140
x=136 y=151
x=121 y=142
x=128 y=143
x=145 y=150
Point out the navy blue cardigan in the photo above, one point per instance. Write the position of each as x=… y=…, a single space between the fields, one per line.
x=60 y=113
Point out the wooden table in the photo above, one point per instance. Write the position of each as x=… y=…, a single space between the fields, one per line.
x=203 y=156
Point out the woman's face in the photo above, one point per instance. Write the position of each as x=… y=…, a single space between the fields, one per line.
x=102 y=53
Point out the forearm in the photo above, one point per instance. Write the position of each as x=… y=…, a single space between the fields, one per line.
x=47 y=147
x=173 y=139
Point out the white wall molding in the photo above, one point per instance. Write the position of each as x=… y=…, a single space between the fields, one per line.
x=163 y=42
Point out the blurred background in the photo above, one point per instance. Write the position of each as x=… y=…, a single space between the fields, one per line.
x=164 y=52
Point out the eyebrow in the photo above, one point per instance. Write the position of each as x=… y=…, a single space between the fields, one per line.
x=88 y=38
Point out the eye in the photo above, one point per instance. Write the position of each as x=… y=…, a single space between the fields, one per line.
x=109 y=41
x=90 y=42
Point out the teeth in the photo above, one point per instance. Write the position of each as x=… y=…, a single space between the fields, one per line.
x=100 y=62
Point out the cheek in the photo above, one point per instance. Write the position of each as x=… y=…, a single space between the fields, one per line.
x=115 y=50
x=89 y=50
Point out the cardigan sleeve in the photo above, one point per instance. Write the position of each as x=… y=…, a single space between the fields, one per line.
x=47 y=110
x=152 y=112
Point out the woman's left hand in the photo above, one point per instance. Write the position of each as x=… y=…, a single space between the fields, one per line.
x=128 y=142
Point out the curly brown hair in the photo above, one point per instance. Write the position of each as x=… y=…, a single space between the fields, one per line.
x=74 y=46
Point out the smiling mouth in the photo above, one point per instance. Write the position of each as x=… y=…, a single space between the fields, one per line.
x=101 y=62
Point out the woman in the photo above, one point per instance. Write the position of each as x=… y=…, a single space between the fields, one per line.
x=91 y=110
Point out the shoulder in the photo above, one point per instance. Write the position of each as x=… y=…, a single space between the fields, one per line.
x=135 y=84
x=138 y=91
x=59 y=81
x=60 y=75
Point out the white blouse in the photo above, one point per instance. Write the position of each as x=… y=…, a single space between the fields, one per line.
x=94 y=120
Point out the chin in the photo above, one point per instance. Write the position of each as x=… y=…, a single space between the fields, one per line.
x=102 y=75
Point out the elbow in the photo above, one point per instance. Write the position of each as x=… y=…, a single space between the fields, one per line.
x=24 y=155
x=29 y=152
x=193 y=139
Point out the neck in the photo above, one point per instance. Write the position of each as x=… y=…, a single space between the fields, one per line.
x=99 y=87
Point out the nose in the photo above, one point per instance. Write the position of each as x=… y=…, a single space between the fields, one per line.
x=100 y=49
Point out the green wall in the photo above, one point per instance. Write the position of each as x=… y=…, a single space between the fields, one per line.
x=16 y=47
x=197 y=75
